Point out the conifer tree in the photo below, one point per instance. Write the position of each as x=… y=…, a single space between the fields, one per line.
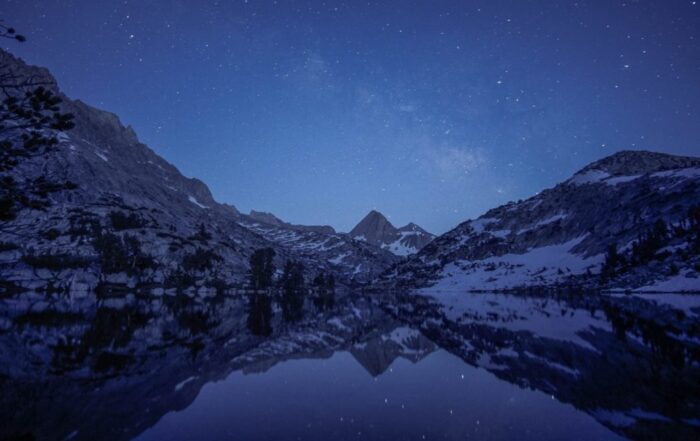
x=262 y=268
x=293 y=290
x=612 y=262
x=30 y=118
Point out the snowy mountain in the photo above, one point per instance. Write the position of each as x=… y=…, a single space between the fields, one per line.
x=377 y=230
x=102 y=210
x=628 y=221
x=355 y=260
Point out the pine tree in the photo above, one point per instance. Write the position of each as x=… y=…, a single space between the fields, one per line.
x=649 y=243
x=293 y=290
x=30 y=117
x=262 y=268
x=612 y=261
x=319 y=281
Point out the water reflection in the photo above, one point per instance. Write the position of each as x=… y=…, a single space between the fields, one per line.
x=381 y=366
x=260 y=315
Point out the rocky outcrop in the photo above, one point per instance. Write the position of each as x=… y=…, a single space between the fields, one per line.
x=130 y=218
x=357 y=261
x=562 y=235
x=271 y=219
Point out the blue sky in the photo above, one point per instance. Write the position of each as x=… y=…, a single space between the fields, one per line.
x=427 y=111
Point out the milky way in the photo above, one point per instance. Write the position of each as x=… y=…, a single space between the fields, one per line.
x=428 y=111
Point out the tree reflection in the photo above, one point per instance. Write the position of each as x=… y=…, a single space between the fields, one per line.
x=260 y=315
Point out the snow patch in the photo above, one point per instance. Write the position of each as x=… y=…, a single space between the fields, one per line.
x=398 y=247
x=196 y=202
x=621 y=179
x=538 y=266
x=338 y=324
x=183 y=383
x=338 y=259
x=479 y=224
x=544 y=222
x=691 y=172
x=589 y=177
x=62 y=137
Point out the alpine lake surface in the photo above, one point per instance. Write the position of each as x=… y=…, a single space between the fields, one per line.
x=350 y=366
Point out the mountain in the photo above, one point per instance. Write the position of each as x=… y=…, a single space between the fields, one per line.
x=271 y=219
x=376 y=229
x=356 y=261
x=378 y=354
x=102 y=210
x=628 y=221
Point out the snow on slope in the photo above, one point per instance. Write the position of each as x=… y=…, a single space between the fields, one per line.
x=353 y=260
x=376 y=229
x=538 y=266
x=560 y=235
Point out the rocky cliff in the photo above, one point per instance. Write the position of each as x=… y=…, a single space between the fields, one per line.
x=628 y=221
x=123 y=217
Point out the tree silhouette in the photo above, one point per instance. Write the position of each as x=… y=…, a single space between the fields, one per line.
x=613 y=260
x=262 y=268
x=293 y=291
x=30 y=118
x=11 y=33
x=648 y=244
x=324 y=297
x=260 y=315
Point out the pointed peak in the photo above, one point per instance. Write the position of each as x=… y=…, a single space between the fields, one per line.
x=413 y=227
x=373 y=226
x=375 y=214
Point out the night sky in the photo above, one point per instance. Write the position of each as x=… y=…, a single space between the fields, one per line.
x=428 y=111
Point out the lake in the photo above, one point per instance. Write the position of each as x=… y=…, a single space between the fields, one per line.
x=439 y=365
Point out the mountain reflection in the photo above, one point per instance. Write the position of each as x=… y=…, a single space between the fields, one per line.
x=72 y=367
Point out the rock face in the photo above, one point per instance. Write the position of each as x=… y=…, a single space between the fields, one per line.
x=156 y=226
x=376 y=229
x=271 y=219
x=357 y=261
x=562 y=235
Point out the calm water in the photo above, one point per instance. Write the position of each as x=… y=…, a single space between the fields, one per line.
x=439 y=397
x=436 y=366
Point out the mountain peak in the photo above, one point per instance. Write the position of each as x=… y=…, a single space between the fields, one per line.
x=413 y=228
x=372 y=227
x=375 y=214
x=637 y=162
x=376 y=229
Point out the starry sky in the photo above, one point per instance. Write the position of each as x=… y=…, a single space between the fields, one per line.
x=428 y=111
